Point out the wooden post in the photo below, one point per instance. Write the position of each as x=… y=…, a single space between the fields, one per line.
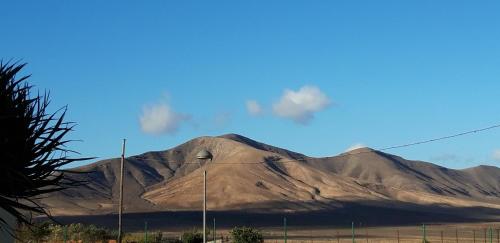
x=120 y=207
x=442 y=240
x=397 y=232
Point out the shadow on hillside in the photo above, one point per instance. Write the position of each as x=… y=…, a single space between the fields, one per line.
x=365 y=213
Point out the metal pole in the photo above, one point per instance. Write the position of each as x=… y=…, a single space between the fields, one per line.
x=146 y=231
x=120 y=207
x=442 y=241
x=491 y=235
x=214 y=232
x=284 y=227
x=65 y=233
x=352 y=232
x=397 y=231
x=204 y=206
x=424 y=234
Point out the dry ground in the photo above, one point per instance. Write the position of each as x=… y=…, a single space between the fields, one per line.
x=451 y=233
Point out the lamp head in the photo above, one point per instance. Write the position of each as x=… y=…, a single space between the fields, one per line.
x=204 y=155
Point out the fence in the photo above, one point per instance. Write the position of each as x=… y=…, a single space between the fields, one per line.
x=354 y=233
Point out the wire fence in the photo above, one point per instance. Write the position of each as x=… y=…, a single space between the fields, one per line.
x=458 y=233
x=407 y=234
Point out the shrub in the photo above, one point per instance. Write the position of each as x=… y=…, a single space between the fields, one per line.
x=47 y=232
x=246 y=235
x=39 y=232
x=192 y=237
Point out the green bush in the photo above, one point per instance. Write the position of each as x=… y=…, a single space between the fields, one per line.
x=246 y=235
x=47 y=232
x=39 y=232
x=192 y=237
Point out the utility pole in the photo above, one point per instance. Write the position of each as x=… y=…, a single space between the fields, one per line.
x=120 y=207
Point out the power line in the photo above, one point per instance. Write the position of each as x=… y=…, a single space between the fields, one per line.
x=440 y=138
x=349 y=153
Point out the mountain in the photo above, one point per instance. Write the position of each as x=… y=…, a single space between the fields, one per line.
x=252 y=176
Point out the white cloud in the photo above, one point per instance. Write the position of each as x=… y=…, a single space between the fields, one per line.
x=160 y=118
x=355 y=146
x=301 y=105
x=496 y=155
x=253 y=107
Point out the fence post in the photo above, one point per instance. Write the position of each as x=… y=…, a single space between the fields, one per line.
x=146 y=231
x=442 y=240
x=424 y=234
x=456 y=235
x=215 y=235
x=397 y=232
x=284 y=228
x=338 y=239
x=352 y=232
x=491 y=235
x=65 y=233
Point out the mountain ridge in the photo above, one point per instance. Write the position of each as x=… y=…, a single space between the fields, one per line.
x=245 y=173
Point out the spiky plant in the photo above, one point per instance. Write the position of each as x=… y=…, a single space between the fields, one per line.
x=32 y=147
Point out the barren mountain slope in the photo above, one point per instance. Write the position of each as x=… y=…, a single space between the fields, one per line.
x=408 y=180
x=246 y=174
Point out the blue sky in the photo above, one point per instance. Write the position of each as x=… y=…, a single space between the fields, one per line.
x=319 y=76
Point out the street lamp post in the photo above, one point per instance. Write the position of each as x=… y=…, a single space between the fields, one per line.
x=204 y=155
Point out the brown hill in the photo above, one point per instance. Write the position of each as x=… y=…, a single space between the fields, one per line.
x=252 y=176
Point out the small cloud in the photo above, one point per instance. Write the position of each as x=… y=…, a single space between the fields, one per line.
x=355 y=146
x=301 y=105
x=160 y=118
x=496 y=155
x=253 y=108
x=221 y=119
